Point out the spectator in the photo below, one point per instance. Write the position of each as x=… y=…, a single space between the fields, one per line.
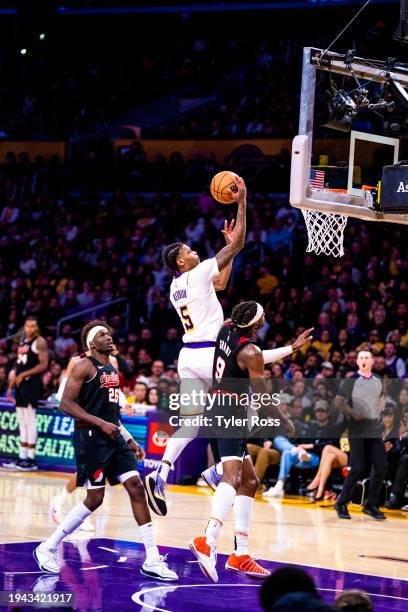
x=395 y=364
x=290 y=588
x=152 y=397
x=65 y=345
x=353 y=600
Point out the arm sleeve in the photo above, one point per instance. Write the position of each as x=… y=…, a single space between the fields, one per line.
x=205 y=272
x=272 y=355
x=126 y=435
x=61 y=388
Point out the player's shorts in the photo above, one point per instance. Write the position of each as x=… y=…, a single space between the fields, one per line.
x=227 y=449
x=195 y=366
x=99 y=458
x=28 y=393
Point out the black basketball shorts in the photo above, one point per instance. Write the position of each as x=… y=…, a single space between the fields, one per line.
x=224 y=449
x=99 y=458
x=28 y=393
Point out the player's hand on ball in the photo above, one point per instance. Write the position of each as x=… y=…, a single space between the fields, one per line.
x=137 y=450
x=228 y=231
x=238 y=193
x=303 y=339
x=110 y=429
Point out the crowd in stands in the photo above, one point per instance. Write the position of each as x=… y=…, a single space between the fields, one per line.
x=250 y=77
x=62 y=252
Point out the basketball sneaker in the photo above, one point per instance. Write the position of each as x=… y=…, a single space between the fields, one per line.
x=211 y=477
x=13 y=464
x=25 y=465
x=47 y=559
x=157 y=568
x=206 y=555
x=277 y=491
x=247 y=565
x=155 y=488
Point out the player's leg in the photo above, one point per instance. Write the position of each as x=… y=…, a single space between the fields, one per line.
x=155 y=565
x=31 y=425
x=240 y=560
x=58 y=502
x=195 y=371
x=46 y=553
x=21 y=460
x=204 y=547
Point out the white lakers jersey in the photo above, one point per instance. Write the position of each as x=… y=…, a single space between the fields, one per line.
x=193 y=296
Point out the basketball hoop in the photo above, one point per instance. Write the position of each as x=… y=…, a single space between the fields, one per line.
x=325 y=232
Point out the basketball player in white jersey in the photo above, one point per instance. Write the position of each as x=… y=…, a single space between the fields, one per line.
x=193 y=295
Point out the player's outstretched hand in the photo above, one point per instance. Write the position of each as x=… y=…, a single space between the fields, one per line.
x=239 y=191
x=303 y=339
x=228 y=231
x=110 y=429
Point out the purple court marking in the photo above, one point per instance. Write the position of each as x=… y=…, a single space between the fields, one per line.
x=119 y=586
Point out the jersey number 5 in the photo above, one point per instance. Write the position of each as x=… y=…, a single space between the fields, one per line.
x=219 y=369
x=186 y=319
x=114 y=395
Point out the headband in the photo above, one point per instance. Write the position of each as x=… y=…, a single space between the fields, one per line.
x=92 y=333
x=258 y=315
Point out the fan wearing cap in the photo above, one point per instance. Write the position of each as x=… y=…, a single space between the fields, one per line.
x=238 y=367
x=91 y=397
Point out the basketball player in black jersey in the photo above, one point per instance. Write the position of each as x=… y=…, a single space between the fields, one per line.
x=32 y=361
x=91 y=396
x=238 y=369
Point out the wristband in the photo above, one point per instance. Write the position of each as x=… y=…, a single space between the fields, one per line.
x=272 y=355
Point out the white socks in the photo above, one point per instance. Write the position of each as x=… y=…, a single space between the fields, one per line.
x=175 y=446
x=222 y=501
x=148 y=539
x=70 y=523
x=243 y=507
x=31 y=453
x=23 y=452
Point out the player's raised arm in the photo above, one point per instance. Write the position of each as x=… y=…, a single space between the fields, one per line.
x=82 y=372
x=251 y=358
x=225 y=256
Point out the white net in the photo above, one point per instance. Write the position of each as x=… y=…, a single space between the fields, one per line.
x=325 y=232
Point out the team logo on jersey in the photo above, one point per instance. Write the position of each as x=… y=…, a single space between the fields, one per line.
x=98 y=476
x=109 y=380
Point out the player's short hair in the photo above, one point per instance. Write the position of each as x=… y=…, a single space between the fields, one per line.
x=170 y=254
x=243 y=313
x=87 y=328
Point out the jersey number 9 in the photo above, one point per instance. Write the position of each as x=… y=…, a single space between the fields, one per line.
x=186 y=319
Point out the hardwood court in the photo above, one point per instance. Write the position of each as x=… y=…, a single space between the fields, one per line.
x=289 y=531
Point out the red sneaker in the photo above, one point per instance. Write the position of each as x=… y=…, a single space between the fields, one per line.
x=206 y=555
x=247 y=565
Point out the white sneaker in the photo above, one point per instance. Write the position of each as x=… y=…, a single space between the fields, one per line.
x=211 y=477
x=405 y=508
x=57 y=513
x=276 y=491
x=157 y=568
x=206 y=555
x=87 y=525
x=47 y=559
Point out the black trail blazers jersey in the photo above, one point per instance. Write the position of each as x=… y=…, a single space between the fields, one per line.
x=100 y=395
x=227 y=375
x=28 y=392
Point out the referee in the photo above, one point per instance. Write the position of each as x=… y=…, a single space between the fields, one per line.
x=361 y=400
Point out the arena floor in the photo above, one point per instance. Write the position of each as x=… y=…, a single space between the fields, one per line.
x=360 y=553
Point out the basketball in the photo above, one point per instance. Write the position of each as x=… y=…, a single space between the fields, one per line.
x=220 y=184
